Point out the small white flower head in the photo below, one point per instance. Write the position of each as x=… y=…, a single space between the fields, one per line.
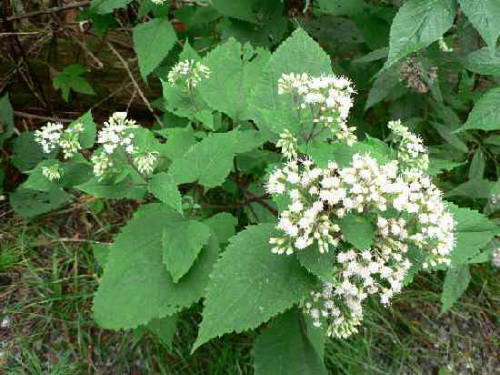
x=328 y=97
x=48 y=136
x=52 y=137
x=102 y=162
x=288 y=145
x=411 y=150
x=146 y=162
x=189 y=72
x=159 y=2
x=52 y=172
x=117 y=132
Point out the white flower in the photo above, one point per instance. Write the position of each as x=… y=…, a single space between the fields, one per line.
x=329 y=97
x=52 y=172
x=189 y=72
x=145 y=163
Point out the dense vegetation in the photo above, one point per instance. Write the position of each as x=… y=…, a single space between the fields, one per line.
x=254 y=186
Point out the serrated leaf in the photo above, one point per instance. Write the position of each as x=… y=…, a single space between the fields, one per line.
x=211 y=160
x=485 y=16
x=456 y=282
x=250 y=284
x=70 y=79
x=417 y=24
x=101 y=252
x=182 y=243
x=383 y=86
x=232 y=78
x=136 y=287
x=485 y=114
x=179 y=141
x=359 y=231
x=476 y=188
x=6 y=118
x=320 y=265
x=112 y=190
x=484 y=62
x=298 y=54
x=283 y=348
x=223 y=225
x=26 y=152
x=477 y=166
x=153 y=41
x=163 y=187
x=88 y=136
x=241 y=9
x=437 y=166
x=164 y=329
x=473 y=231
x=107 y=6
x=30 y=203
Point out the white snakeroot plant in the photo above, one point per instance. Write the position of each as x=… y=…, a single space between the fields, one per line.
x=340 y=221
x=406 y=210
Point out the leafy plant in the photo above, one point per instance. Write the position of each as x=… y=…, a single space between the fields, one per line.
x=268 y=194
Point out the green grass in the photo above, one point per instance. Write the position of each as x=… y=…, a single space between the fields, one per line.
x=48 y=276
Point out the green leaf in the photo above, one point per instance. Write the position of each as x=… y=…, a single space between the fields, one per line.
x=211 y=160
x=250 y=284
x=136 y=287
x=232 y=77
x=450 y=137
x=179 y=140
x=318 y=264
x=298 y=54
x=107 y=6
x=30 y=203
x=477 y=166
x=101 y=252
x=182 y=243
x=223 y=225
x=6 y=118
x=475 y=188
x=437 y=166
x=241 y=9
x=456 y=282
x=357 y=230
x=383 y=86
x=37 y=181
x=70 y=79
x=485 y=114
x=417 y=24
x=26 y=152
x=473 y=232
x=163 y=187
x=88 y=136
x=340 y=7
x=484 y=62
x=485 y=16
x=112 y=190
x=164 y=329
x=283 y=348
x=153 y=41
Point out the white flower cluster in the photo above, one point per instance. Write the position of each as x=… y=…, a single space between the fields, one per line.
x=411 y=150
x=288 y=144
x=159 y=2
x=328 y=97
x=189 y=71
x=53 y=136
x=52 y=172
x=115 y=134
x=409 y=211
x=145 y=163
